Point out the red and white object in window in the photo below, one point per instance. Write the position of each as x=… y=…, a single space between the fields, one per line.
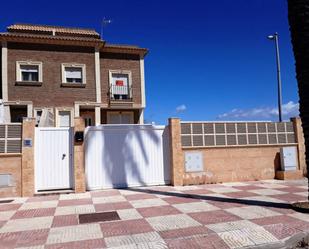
x=120 y=83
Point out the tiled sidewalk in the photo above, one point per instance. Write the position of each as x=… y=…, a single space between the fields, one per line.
x=232 y=215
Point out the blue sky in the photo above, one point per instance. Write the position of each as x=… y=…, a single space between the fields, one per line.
x=208 y=60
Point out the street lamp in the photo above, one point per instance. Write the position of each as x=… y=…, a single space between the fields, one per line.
x=275 y=38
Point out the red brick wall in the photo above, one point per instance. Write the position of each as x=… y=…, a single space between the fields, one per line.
x=51 y=93
x=110 y=61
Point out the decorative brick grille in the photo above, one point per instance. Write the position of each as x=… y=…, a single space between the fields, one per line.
x=220 y=134
x=10 y=138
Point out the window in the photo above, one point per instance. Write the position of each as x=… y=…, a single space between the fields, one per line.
x=64 y=118
x=120 y=84
x=73 y=73
x=38 y=115
x=28 y=71
x=88 y=121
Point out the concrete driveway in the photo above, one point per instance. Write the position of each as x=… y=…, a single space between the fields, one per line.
x=231 y=215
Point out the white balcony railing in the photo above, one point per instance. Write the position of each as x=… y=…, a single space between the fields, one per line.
x=120 y=92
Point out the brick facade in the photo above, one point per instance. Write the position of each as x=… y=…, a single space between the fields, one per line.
x=110 y=61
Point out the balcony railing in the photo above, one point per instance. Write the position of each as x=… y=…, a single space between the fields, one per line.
x=120 y=93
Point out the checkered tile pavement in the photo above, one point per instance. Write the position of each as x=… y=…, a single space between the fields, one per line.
x=231 y=215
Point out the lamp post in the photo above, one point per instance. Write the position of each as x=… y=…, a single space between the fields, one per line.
x=275 y=37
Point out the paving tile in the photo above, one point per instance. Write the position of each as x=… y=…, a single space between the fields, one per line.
x=300 y=216
x=247 y=237
x=126 y=240
x=293 y=189
x=171 y=222
x=77 y=202
x=148 y=203
x=179 y=200
x=211 y=241
x=240 y=194
x=213 y=217
x=29 y=213
x=84 y=244
x=129 y=214
x=126 y=227
x=27 y=224
x=252 y=212
x=305 y=194
x=32 y=247
x=102 y=193
x=43 y=198
x=248 y=187
x=201 y=192
x=82 y=209
x=185 y=232
x=281 y=231
x=184 y=188
x=37 y=205
x=280 y=219
x=9 y=207
x=30 y=238
x=290 y=197
x=74 y=233
x=232 y=225
x=267 y=191
x=126 y=192
x=225 y=203
x=195 y=207
x=223 y=190
x=236 y=184
x=273 y=185
x=158 y=211
x=65 y=220
x=74 y=196
x=6 y=215
x=139 y=197
x=108 y=199
x=2 y=222
x=112 y=206
x=263 y=199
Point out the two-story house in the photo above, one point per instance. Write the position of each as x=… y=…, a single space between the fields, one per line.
x=56 y=73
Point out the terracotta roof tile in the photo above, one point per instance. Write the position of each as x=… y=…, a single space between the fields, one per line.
x=57 y=29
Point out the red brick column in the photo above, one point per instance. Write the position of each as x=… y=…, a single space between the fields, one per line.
x=300 y=140
x=27 y=161
x=79 y=158
x=176 y=153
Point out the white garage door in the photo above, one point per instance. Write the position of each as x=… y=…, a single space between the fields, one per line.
x=126 y=155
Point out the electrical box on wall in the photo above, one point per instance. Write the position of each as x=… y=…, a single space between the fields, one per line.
x=5 y=180
x=288 y=157
x=194 y=161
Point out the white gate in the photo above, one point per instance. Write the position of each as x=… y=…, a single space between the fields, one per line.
x=126 y=155
x=53 y=158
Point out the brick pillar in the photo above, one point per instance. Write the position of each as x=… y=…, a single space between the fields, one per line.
x=79 y=159
x=27 y=161
x=176 y=153
x=300 y=140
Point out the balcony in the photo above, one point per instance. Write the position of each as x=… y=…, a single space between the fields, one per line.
x=120 y=96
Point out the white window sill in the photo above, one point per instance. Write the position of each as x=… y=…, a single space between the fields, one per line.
x=73 y=85
x=28 y=83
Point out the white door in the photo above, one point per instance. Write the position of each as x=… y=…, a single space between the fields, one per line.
x=126 y=155
x=53 y=158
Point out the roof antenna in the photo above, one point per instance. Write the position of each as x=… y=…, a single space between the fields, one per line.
x=104 y=23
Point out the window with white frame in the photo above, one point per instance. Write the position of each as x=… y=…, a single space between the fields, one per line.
x=28 y=71
x=74 y=73
x=120 y=84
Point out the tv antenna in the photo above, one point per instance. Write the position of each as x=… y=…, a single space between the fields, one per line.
x=104 y=23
